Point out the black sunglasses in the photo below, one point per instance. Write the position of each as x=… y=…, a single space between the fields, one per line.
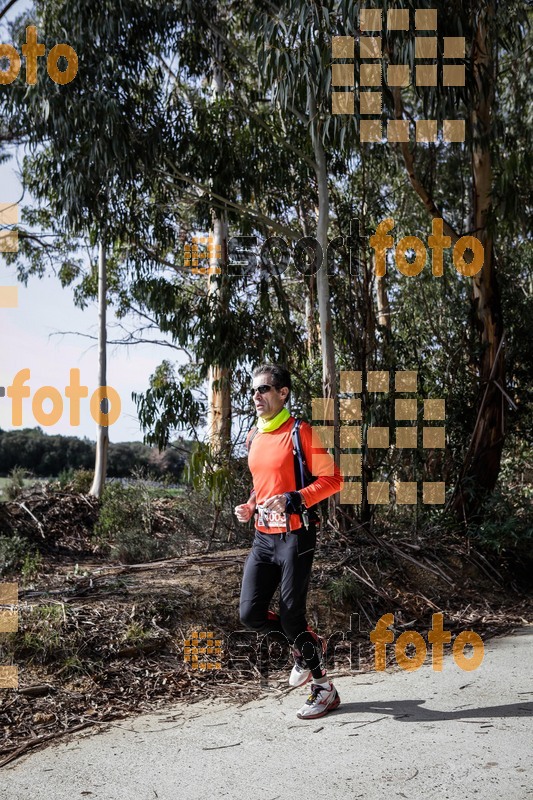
x=266 y=387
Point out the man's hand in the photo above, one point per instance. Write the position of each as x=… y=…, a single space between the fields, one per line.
x=244 y=512
x=278 y=502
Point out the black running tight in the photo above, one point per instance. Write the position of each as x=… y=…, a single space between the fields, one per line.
x=286 y=559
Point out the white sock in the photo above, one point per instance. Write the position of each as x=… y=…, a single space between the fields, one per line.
x=326 y=683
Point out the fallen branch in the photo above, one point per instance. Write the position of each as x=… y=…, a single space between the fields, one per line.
x=222 y=746
x=34 y=518
x=44 y=738
x=372 y=586
x=38 y=690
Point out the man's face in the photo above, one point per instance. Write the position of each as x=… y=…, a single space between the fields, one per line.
x=270 y=403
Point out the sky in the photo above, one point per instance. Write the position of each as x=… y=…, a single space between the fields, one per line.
x=30 y=338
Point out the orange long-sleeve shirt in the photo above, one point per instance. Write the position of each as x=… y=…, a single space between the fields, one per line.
x=271 y=462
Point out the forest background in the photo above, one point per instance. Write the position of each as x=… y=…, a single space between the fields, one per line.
x=215 y=119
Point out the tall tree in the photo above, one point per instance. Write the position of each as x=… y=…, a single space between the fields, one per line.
x=482 y=461
x=487 y=35
x=102 y=436
x=89 y=168
x=219 y=389
x=294 y=56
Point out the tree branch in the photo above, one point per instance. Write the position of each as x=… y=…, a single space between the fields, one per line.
x=128 y=341
x=416 y=183
x=5 y=9
x=225 y=203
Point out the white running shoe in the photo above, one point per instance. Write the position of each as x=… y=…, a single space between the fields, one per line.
x=321 y=701
x=300 y=673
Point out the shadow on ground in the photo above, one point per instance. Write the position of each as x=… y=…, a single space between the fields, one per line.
x=412 y=711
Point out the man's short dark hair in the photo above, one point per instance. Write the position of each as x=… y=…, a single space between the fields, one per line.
x=280 y=375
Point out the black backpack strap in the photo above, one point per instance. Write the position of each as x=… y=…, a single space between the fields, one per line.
x=298 y=455
x=302 y=473
x=251 y=436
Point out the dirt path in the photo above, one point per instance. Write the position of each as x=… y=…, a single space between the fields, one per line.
x=422 y=734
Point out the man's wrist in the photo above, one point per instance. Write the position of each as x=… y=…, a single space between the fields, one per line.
x=294 y=502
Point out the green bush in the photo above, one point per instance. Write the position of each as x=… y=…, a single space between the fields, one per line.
x=13 y=552
x=507 y=522
x=219 y=484
x=17 y=476
x=82 y=480
x=345 y=590
x=41 y=636
x=65 y=477
x=124 y=525
x=31 y=565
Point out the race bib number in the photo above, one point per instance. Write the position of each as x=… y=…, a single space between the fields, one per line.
x=270 y=518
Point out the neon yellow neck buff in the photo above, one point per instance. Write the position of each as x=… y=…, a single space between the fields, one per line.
x=269 y=425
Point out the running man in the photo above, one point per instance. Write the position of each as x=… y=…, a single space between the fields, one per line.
x=284 y=545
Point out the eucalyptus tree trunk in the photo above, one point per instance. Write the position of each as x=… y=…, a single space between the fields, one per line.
x=310 y=319
x=219 y=409
x=322 y=279
x=482 y=462
x=382 y=300
x=310 y=323
x=219 y=388
x=102 y=432
x=329 y=385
